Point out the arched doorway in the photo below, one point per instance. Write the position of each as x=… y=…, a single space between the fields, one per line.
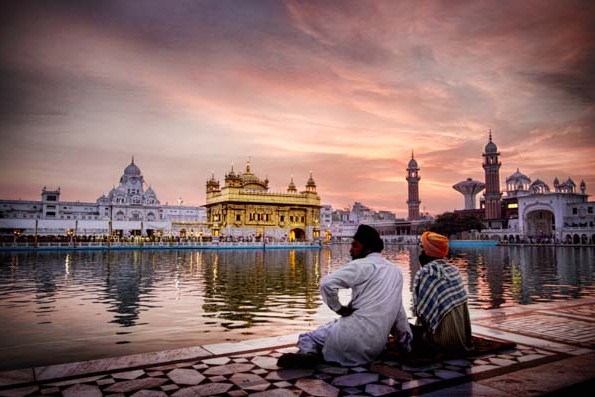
x=327 y=236
x=297 y=235
x=540 y=224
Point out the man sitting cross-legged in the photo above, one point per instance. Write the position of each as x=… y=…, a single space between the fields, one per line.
x=376 y=309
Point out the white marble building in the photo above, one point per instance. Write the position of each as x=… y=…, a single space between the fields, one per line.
x=131 y=208
x=535 y=212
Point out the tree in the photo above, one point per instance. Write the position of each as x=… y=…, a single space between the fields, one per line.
x=451 y=223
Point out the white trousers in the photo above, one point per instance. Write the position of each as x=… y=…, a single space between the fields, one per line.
x=312 y=342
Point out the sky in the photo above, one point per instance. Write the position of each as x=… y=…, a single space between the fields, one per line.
x=345 y=90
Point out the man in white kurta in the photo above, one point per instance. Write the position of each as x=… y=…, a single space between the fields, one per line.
x=376 y=309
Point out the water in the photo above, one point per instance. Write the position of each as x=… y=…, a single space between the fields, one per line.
x=71 y=306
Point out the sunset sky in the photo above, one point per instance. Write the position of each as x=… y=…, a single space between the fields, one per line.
x=343 y=89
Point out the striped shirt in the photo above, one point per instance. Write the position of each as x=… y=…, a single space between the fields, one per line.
x=437 y=289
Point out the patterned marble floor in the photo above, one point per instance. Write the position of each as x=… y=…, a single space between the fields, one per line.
x=250 y=368
x=257 y=374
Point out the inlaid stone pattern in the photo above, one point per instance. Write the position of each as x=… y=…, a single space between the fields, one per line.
x=256 y=374
x=587 y=311
x=562 y=329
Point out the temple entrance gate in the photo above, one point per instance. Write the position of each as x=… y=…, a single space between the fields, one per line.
x=297 y=235
x=540 y=224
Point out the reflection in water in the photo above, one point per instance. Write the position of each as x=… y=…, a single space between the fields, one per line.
x=70 y=306
x=506 y=276
x=245 y=287
x=125 y=282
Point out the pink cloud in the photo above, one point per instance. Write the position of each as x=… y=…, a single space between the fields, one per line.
x=346 y=92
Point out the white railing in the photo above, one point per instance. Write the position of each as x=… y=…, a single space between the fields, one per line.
x=154 y=244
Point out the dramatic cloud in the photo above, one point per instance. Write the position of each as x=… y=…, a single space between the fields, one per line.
x=345 y=90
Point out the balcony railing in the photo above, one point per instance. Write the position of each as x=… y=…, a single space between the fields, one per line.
x=155 y=244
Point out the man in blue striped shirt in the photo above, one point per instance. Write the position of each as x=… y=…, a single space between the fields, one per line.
x=440 y=302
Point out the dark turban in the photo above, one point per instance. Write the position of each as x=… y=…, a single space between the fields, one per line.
x=369 y=238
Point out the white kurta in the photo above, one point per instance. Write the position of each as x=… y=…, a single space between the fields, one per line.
x=377 y=286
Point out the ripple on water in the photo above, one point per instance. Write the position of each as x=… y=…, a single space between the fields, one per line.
x=148 y=300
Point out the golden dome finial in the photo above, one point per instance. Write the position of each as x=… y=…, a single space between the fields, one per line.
x=248 y=166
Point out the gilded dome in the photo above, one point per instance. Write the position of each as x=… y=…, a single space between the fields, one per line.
x=310 y=181
x=251 y=181
x=291 y=188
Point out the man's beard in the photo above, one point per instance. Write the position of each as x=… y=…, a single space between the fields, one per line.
x=359 y=256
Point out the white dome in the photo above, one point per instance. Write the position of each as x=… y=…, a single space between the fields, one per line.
x=132 y=170
x=150 y=192
x=518 y=177
x=518 y=184
x=491 y=147
x=539 y=186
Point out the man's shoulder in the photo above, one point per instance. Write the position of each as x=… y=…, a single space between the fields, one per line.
x=435 y=267
x=375 y=261
x=446 y=265
x=359 y=262
x=373 y=258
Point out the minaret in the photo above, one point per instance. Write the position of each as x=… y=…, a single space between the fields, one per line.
x=413 y=183
x=291 y=188
x=310 y=184
x=491 y=165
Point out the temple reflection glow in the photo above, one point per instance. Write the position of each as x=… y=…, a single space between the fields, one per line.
x=68 y=306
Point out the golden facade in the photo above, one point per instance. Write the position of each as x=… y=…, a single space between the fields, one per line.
x=245 y=209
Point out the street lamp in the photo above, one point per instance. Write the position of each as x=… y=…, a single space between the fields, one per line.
x=16 y=233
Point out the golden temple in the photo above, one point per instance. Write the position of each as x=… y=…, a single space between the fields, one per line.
x=245 y=209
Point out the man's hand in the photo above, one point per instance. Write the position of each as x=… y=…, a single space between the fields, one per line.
x=345 y=311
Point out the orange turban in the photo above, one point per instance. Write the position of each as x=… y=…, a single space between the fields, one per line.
x=435 y=245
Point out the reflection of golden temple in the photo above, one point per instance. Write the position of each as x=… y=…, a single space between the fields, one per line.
x=245 y=209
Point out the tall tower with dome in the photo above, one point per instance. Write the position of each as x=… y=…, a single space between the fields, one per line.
x=413 y=188
x=492 y=195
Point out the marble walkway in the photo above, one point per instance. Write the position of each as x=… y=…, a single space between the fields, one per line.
x=555 y=354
